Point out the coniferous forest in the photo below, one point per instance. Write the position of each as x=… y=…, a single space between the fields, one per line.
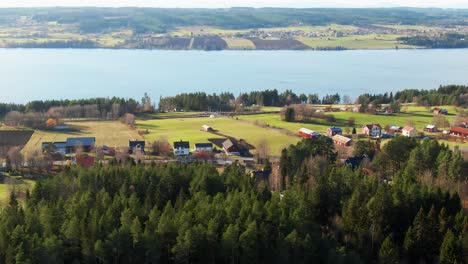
x=318 y=211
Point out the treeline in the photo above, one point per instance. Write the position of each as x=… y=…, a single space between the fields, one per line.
x=445 y=41
x=445 y=95
x=69 y=44
x=318 y=211
x=227 y=102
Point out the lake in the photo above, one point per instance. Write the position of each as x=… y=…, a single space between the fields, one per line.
x=29 y=74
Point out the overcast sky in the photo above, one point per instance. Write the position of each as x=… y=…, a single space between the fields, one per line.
x=230 y=3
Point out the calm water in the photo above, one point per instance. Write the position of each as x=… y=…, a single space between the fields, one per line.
x=27 y=74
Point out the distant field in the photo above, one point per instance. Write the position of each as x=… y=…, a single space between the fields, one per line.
x=239 y=43
x=110 y=133
x=188 y=129
x=356 y=42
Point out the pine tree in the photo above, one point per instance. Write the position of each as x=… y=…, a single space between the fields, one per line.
x=450 y=251
x=388 y=253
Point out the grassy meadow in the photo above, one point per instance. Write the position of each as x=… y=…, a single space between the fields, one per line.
x=189 y=129
x=20 y=186
x=110 y=133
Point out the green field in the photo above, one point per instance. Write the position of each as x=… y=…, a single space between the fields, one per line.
x=189 y=129
x=110 y=133
x=420 y=116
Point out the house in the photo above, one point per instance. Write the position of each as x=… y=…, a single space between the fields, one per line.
x=356 y=109
x=341 y=140
x=135 y=146
x=86 y=143
x=54 y=147
x=181 y=148
x=409 y=131
x=372 y=130
x=230 y=147
x=207 y=128
x=431 y=128
x=203 y=147
x=307 y=133
x=354 y=162
x=331 y=131
x=394 y=129
x=440 y=111
x=459 y=131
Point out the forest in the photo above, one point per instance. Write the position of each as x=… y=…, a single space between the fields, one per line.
x=446 y=41
x=158 y=20
x=400 y=206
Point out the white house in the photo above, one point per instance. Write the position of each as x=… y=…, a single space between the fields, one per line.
x=203 y=147
x=409 y=131
x=181 y=148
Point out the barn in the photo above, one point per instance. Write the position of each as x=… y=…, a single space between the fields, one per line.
x=341 y=140
x=307 y=133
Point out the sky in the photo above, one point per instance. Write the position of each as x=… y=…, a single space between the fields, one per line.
x=231 y=3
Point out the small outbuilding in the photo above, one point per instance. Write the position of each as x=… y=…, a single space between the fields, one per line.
x=207 y=128
x=431 y=128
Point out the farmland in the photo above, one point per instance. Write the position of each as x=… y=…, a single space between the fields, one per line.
x=110 y=133
x=188 y=129
x=17 y=185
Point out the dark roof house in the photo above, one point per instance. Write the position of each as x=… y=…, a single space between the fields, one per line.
x=134 y=145
x=87 y=143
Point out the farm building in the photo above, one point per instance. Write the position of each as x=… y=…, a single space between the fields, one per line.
x=203 y=147
x=440 y=111
x=409 y=131
x=54 y=147
x=207 y=128
x=459 y=131
x=181 y=148
x=307 y=133
x=394 y=129
x=230 y=147
x=136 y=145
x=86 y=143
x=431 y=128
x=331 y=131
x=372 y=130
x=341 y=140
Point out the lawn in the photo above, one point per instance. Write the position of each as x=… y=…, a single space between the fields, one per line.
x=188 y=129
x=110 y=133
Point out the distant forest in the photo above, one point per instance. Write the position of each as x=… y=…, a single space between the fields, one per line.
x=451 y=40
x=156 y=20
